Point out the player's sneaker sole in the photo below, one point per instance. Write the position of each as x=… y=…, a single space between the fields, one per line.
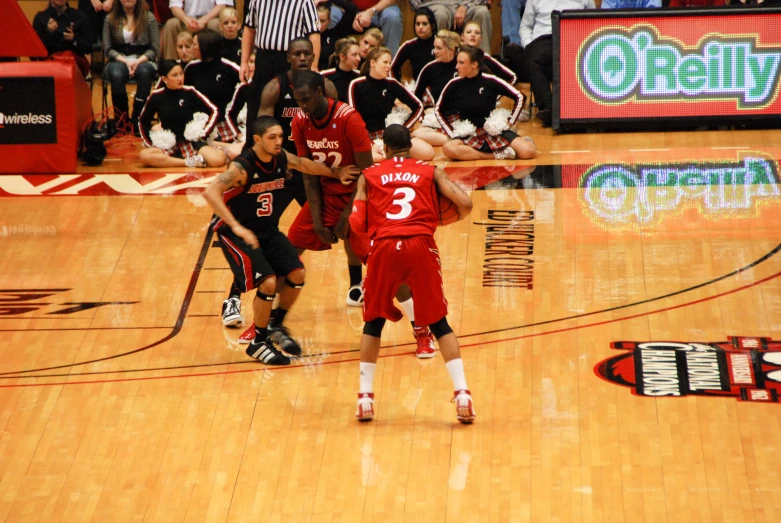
x=265 y=352
x=365 y=410
x=231 y=312
x=465 y=408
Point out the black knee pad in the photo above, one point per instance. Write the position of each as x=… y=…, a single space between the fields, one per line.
x=440 y=328
x=374 y=328
x=264 y=297
x=294 y=285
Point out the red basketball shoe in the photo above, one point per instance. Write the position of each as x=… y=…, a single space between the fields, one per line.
x=465 y=409
x=425 y=341
x=365 y=410
x=248 y=335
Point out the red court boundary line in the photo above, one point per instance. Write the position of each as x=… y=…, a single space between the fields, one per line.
x=525 y=336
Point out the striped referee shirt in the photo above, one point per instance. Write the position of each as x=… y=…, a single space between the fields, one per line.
x=277 y=22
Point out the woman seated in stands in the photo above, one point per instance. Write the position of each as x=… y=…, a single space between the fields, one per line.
x=346 y=60
x=186 y=119
x=432 y=79
x=473 y=36
x=374 y=95
x=467 y=112
x=236 y=112
x=216 y=78
x=372 y=39
x=420 y=50
x=131 y=42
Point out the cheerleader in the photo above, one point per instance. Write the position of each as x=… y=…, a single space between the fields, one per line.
x=216 y=78
x=472 y=36
x=184 y=49
x=432 y=79
x=418 y=51
x=374 y=96
x=435 y=75
x=186 y=117
x=372 y=39
x=236 y=112
x=346 y=59
x=343 y=29
x=231 y=42
x=467 y=112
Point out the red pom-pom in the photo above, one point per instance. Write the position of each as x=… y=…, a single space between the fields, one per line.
x=448 y=212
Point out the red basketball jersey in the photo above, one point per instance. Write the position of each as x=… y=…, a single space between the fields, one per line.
x=332 y=141
x=401 y=198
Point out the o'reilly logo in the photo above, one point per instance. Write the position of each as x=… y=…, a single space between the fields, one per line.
x=24 y=119
x=616 y=66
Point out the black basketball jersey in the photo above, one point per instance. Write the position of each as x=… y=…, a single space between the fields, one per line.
x=260 y=203
x=285 y=110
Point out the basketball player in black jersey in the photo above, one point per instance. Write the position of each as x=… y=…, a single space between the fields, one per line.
x=249 y=198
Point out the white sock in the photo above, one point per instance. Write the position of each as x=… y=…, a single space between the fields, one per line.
x=367 y=376
x=408 y=309
x=456 y=369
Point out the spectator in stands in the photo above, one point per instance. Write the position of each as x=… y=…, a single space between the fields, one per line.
x=231 y=42
x=95 y=12
x=420 y=50
x=630 y=4
x=538 y=45
x=329 y=35
x=131 y=42
x=453 y=14
x=384 y=14
x=697 y=3
x=512 y=10
x=63 y=31
x=192 y=15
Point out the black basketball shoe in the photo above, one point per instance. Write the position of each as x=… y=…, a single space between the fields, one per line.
x=281 y=336
x=265 y=352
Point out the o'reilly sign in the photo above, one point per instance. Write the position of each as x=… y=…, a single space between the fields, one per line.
x=616 y=66
x=27 y=111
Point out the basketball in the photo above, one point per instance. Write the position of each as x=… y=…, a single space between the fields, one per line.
x=448 y=212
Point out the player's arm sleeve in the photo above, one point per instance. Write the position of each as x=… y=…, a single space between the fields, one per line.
x=358 y=217
x=411 y=101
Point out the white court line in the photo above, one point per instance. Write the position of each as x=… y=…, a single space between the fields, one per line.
x=643 y=150
x=736 y=147
x=559 y=152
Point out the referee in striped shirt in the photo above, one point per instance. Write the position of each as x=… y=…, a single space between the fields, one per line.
x=270 y=25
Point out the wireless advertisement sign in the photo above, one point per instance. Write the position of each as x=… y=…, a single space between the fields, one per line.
x=27 y=110
x=691 y=66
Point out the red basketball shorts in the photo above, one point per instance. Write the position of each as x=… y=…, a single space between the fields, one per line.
x=302 y=231
x=414 y=261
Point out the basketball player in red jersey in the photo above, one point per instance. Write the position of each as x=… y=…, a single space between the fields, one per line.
x=396 y=202
x=333 y=133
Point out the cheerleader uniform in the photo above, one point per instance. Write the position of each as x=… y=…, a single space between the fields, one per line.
x=374 y=100
x=342 y=80
x=236 y=105
x=418 y=52
x=217 y=81
x=499 y=70
x=175 y=109
x=231 y=50
x=433 y=78
x=474 y=99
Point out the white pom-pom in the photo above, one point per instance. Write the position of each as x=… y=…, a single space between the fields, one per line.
x=194 y=130
x=163 y=139
x=430 y=120
x=497 y=122
x=410 y=85
x=464 y=129
x=378 y=146
x=241 y=119
x=397 y=116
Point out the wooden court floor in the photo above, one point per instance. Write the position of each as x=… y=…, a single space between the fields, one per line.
x=122 y=397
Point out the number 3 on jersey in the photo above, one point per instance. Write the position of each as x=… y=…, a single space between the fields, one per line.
x=407 y=195
x=265 y=204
